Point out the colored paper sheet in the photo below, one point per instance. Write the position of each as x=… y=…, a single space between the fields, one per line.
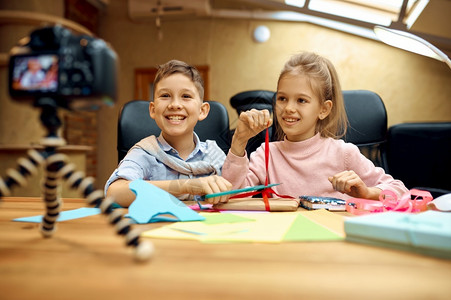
x=329 y=220
x=215 y=218
x=270 y=228
x=64 y=215
x=318 y=225
x=245 y=212
x=304 y=229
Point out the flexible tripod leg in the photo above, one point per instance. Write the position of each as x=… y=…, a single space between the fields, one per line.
x=85 y=185
x=27 y=166
x=57 y=169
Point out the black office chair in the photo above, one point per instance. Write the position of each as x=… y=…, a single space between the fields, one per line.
x=367 y=127
x=258 y=99
x=135 y=124
x=419 y=154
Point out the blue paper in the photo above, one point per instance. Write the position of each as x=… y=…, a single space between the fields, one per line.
x=64 y=215
x=153 y=204
x=427 y=232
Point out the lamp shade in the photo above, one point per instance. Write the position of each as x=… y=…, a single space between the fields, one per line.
x=410 y=42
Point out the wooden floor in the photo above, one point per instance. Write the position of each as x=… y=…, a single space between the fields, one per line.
x=86 y=260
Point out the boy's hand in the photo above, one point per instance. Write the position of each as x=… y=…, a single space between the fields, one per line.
x=250 y=123
x=208 y=185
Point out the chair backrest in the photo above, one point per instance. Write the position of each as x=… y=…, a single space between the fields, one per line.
x=258 y=99
x=367 y=127
x=419 y=154
x=135 y=123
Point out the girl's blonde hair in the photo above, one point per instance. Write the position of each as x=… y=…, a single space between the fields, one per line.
x=323 y=79
x=176 y=66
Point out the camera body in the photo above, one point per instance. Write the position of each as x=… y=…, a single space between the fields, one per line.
x=77 y=72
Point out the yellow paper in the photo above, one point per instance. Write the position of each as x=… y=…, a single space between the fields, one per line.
x=325 y=218
x=269 y=228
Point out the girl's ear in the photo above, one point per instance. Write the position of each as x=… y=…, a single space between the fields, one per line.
x=204 y=110
x=152 y=109
x=325 y=109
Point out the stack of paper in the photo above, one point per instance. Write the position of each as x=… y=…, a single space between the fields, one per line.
x=318 y=225
x=427 y=233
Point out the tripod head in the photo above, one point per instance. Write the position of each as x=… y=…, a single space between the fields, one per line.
x=51 y=121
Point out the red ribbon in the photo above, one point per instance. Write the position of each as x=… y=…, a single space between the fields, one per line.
x=266 y=192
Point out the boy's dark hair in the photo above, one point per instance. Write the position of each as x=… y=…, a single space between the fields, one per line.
x=177 y=66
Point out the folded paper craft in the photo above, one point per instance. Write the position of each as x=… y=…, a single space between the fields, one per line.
x=427 y=232
x=258 y=204
x=153 y=204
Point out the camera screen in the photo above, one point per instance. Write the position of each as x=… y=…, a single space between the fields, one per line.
x=36 y=73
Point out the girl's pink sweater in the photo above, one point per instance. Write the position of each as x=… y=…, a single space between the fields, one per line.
x=303 y=168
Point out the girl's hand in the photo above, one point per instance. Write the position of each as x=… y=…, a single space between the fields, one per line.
x=208 y=185
x=250 y=123
x=348 y=182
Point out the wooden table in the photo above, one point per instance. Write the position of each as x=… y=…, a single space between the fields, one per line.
x=86 y=260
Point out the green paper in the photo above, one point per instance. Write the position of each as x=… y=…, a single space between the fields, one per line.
x=212 y=219
x=304 y=229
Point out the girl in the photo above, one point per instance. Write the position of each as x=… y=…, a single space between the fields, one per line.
x=311 y=159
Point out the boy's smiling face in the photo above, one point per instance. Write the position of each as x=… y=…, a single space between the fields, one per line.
x=177 y=107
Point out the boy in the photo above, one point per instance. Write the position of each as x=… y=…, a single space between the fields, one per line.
x=176 y=161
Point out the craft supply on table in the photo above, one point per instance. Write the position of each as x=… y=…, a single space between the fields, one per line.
x=153 y=204
x=329 y=203
x=258 y=204
x=64 y=215
x=426 y=232
x=274 y=227
x=411 y=202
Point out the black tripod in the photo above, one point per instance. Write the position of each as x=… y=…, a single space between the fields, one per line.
x=57 y=168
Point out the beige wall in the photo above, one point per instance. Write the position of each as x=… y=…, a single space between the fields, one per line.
x=19 y=122
x=414 y=88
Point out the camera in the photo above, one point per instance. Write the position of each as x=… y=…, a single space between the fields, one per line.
x=75 y=71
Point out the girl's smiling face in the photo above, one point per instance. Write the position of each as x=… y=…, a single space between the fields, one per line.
x=177 y=106
x=298 y=108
